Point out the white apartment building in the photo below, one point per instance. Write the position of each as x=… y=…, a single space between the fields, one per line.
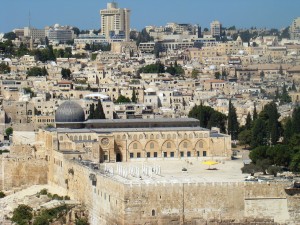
x=115 y=22
x=34 y=33
x=215 y=28
x=295 y=29
x=59 y=34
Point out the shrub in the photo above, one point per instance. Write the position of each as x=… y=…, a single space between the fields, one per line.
x=22 y=214
x=2 y=195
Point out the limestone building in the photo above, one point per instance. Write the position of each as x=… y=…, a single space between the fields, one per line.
x=115 y=22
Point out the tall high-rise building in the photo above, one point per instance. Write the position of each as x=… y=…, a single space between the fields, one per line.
x=215 y=28
x=115 y=22
x=295 y=29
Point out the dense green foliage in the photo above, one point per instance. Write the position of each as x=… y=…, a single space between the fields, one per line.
x=122 y=99
x=98 y=112
x=37 y=71
x=209 y=117
x=66 y=74
x=153 y=68
x=10 y=36
x=97 y=47
x=4 y=68
x=175 y=70
x=232 y=125
x=267 y=155
x=143 y=36
x=22 y=215
x=82 y=222
x=133 y=98
x=9 y=131
x=2 y=195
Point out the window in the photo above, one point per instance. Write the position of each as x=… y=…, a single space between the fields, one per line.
x=165 y=154
x=204 y=153
x=138 y=155
x=131 y=155
x=168 y=144
x=61 y=138
x=181 y=154
x=198 y=154
x=185 y=144
x=188 y=154
x=153 y=212
x=148 y=155
x=201 y=144
x=135 y=146
x=89 y=137
x=152 y=145
x=155 y=155
x=172 y=154
x=105 y=157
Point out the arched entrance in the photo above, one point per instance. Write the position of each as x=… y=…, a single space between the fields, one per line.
x=119 y=157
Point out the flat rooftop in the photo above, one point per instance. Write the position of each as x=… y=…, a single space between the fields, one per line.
x=170 y=171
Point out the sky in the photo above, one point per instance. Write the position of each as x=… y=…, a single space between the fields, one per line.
x=85 y=13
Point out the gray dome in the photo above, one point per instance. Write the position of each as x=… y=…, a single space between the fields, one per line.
x=69 y=112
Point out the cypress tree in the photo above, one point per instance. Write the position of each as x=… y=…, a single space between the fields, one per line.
x=259 y=133
x=296 y=121
x=92 y=111
x=254 y=112
x=233 y=125
x=288 y=131
x=133 y=98
x=248 y=121
x=99 y=113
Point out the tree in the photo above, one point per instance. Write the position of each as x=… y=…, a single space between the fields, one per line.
x=248 y=121
x=270 y=115
x=99 y=113
x=259 y=133
x=41 y=220
x=133 y=98
x=217 y=75
x=258 y=153
x=280 y=70
x=262 y=74
x=76 y=31
x=295 y=164
x=122 y=99
x=244 y=137
x=2 y=195
x=92 y=111
x=296 y=121
x=143 y=36
x=81 y=222
x=232 y=125
x=288 y=131
x=9 y=131
x=285 y=98
x=10 y=36
x=153 y=68
x=37 y=71
x=195 y=74
x=208 y=117
x=22 y=214
x=4 y=68
x=255 y=115
x=66 y=73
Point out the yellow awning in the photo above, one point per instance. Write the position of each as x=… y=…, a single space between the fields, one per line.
x=210 y=163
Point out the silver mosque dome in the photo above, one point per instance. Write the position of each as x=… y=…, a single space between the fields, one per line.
x=69 y=112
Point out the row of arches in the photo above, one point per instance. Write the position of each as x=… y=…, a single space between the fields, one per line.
x=161 y=135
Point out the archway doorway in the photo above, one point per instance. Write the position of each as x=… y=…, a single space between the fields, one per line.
x=119 y=157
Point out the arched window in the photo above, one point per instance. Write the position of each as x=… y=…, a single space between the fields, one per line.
x=200 y=144
x=135 y=146
x=118 y=137
x=169 y=136
x=75 y=138
x=71 y=138
x=168 y=144
x=140 y=136
x=80 y=138
x=84 y=137
x=89 y=137
x=190 y=135
x=151 y=145
x=135 y=137
x=153 y=212
x=61 y=138
x=185 y=144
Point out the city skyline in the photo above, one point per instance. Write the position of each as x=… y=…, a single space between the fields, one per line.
x=86 y=16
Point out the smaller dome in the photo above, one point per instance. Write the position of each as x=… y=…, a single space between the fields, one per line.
x=69 y=112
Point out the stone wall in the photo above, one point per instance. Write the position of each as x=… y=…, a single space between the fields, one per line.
x=110 y=201
x=23 y=171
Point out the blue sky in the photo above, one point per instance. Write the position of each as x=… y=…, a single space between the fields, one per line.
x=85 y=14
